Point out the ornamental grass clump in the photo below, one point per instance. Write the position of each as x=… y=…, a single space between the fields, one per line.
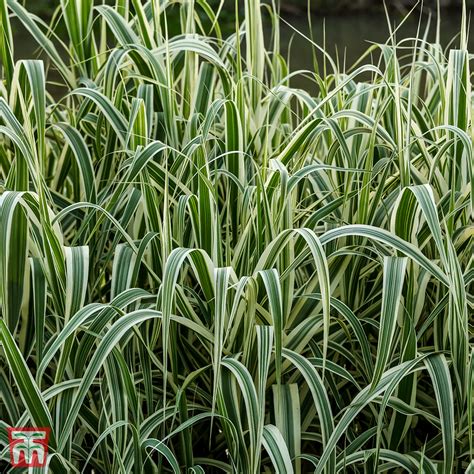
x=204 y=268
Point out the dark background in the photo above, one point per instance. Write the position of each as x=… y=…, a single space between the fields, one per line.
x=298 y=7
x=348 y=27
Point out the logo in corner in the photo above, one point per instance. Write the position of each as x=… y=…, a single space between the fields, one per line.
x=28 y=446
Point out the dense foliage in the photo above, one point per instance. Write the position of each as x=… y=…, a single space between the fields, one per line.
x=204 y=269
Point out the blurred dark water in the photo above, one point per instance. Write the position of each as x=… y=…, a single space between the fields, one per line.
x=351 y=35
x=345 y=37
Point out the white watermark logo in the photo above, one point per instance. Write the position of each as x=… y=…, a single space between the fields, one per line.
x=28 y=446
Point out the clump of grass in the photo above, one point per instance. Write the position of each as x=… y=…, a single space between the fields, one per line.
x=204 y=269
